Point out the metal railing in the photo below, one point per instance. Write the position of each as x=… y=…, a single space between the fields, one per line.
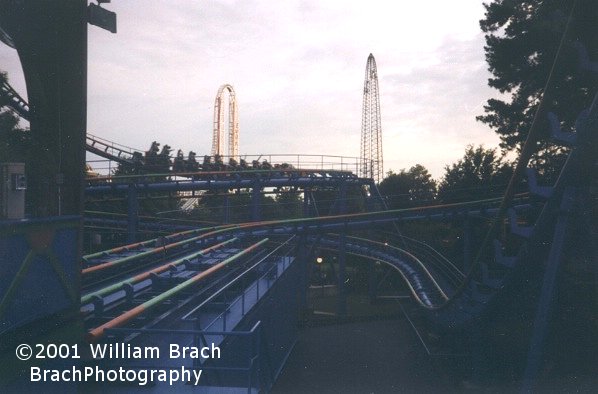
x=297 y=161
x=246 y=362
x=268 y=277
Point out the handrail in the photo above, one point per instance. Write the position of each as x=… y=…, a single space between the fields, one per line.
x=242 y=298
x=207 y=174
x=253 y=335
x=129 y=330
x=112 y=144
x=221 y=290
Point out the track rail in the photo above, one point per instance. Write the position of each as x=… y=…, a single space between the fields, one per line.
x=96 y=333
x=158 y=270
x=111 y=150
x=12 y=99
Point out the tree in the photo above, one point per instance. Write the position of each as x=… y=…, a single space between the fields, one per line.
x=408 y=188
x=480 y=174
x=14 y=140
x=522 y=40
x=289 y=203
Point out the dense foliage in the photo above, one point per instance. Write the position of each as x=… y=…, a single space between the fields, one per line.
x=408 y=188
x=480 y=174
x=522 y=40
x=13 y=141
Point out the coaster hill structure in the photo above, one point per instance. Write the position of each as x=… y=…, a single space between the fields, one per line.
x=243 y=285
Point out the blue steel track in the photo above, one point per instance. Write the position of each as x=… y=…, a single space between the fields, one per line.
x=241 y=286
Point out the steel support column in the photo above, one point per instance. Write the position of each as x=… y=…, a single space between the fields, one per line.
x=306 y=196
x=226 y=208
x=541 y=321
x=304 y=266
x=342 y=257
x=51 y=40
x=132 y=214
x=256 y=197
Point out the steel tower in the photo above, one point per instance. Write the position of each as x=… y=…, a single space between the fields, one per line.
x=233 y=124
x=371 y=163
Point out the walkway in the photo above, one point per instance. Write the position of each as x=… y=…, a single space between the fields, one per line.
x=367 y=357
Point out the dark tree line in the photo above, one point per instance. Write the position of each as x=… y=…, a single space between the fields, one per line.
x=522 y=40
x=14 y=141
x=408 y=188
x=480 y=174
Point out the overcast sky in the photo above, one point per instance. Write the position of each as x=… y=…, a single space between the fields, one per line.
x=297 y=68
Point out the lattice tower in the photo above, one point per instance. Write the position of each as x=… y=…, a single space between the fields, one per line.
x=371 y=162
x=233 y=124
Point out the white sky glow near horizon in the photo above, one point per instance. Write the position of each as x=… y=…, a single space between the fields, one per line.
x=297 y=68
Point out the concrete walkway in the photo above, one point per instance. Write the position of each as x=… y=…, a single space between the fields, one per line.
x=367 y=357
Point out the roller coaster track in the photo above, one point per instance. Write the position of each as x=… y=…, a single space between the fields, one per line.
x=451 y=298
x=126 y=155
x=161 y=275
x=475 y=291
x=466 y=295
x=192 y=273
x=13 y=100
x=133 y=158
x=472 y=295
x=448 y=297
x=110 y=150
x=94 y=144
x=541 y=244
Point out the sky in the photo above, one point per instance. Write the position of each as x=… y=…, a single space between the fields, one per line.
x=297 y=68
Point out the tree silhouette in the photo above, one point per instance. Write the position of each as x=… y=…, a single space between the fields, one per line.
x=288 y=203
x=481 y=173
x=408 y=188
x=522 y=40
x=14 y=140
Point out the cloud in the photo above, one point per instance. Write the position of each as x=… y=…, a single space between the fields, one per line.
x=297 y=68
x=436 y=104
